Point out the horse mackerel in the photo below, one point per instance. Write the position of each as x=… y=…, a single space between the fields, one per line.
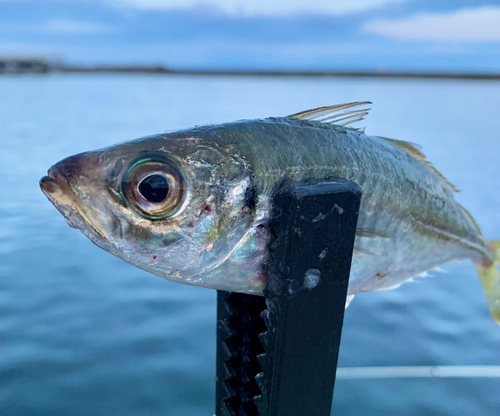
x=192 y=206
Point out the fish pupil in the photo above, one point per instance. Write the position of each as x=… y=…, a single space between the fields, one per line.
x=154 y=188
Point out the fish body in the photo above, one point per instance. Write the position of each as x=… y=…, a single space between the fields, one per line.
x=217 y=182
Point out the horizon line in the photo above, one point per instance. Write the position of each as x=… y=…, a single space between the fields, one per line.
x=41 y=65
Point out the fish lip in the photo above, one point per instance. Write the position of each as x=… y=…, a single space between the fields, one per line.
x=47 y=185
x=51 y=183
x=51 y=174
x=59 y=192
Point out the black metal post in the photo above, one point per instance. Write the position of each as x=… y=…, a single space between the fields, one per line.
x=277 y=356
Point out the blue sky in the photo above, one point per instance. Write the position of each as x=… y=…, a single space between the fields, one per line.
x=442 y=35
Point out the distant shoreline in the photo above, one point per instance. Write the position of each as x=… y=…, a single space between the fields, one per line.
x=275 y=73
x=36 y=65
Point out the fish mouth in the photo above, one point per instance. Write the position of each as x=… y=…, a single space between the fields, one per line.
x=59 y=192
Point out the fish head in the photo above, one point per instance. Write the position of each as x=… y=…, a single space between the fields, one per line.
x=176 y=206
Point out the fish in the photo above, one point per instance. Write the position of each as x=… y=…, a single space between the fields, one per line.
x=193 y=206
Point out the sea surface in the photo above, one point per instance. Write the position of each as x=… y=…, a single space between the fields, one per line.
x=84 y=333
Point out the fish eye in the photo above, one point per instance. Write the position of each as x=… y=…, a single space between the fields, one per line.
x=154 y=189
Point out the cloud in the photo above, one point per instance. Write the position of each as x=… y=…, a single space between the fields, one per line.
x=262 y=7
x=480 y=24
x=73 y=27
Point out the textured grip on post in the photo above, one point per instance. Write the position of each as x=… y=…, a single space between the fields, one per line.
x=278 y=356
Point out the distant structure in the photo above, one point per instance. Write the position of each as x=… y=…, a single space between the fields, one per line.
x=44 y=65
x=24 y=65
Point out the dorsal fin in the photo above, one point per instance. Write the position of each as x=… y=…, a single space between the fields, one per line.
x=414 y=151
x=335 y=114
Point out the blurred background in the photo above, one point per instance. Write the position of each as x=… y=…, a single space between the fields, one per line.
x=84 y=333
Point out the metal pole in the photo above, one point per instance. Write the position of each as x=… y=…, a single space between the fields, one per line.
x=277 y=356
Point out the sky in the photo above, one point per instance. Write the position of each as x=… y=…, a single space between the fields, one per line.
x=418 y=35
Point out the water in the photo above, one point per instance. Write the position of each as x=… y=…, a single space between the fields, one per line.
x=82 y=332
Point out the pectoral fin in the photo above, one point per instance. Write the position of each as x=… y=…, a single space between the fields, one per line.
x=348 y=300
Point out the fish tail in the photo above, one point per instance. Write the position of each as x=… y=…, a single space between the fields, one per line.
x=490 y=280
x=495 y=245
